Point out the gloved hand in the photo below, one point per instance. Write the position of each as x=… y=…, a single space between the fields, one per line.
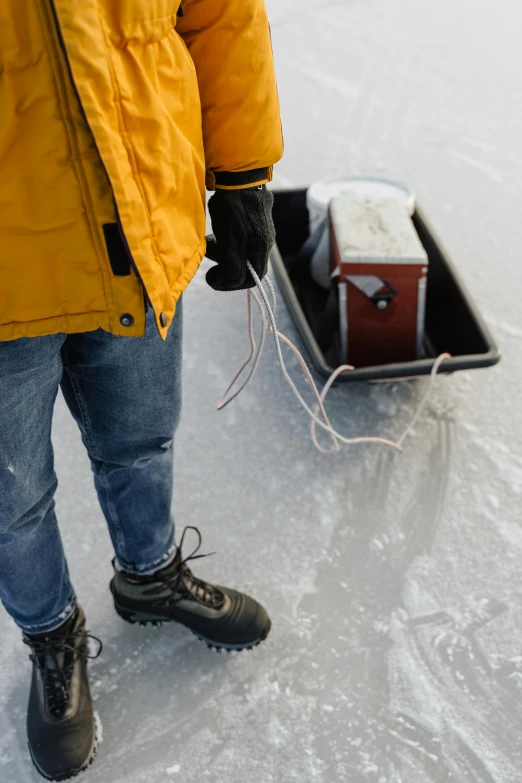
x=243 y=231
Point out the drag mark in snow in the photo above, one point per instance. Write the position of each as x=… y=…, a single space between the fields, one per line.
x=439 y=669
x=495 y=175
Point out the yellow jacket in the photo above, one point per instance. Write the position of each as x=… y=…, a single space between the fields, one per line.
x=113 y=116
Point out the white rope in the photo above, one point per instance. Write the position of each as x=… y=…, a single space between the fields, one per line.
x=435 y=369
x=224 y=401
x=327 y=427
x=261 y=299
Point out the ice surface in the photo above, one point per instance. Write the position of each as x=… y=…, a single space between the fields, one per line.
x=394 y=583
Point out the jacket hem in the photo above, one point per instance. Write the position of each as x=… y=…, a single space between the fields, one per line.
x=67 y=324
x=89 y=322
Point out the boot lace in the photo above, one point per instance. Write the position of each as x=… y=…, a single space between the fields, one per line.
x=55 y=658
x=184 y=584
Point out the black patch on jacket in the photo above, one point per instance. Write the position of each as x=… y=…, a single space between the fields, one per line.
x=238 y=178
x=117 y=251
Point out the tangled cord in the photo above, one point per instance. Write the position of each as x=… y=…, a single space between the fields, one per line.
x=269 y=309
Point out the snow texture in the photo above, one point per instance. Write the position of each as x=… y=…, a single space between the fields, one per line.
x=393 y=581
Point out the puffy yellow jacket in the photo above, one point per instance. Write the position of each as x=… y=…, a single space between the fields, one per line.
x=113 y=116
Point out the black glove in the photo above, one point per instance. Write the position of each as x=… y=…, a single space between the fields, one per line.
x=243 y=231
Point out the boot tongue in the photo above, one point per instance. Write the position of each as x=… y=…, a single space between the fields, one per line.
x=167 y=572
x=179 y=578
x=188 y=584
x=55 y=661
x=171 y=570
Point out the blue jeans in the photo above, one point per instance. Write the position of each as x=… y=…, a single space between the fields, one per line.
x=125 y=394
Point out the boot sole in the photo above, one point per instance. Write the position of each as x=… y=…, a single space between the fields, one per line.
x=142 y=618
x=72 y=773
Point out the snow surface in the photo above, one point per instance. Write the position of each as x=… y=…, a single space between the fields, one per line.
x=394 y=583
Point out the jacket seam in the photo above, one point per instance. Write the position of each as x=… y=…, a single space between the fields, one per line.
x=61 y=92
x=128 y=146
x=277 y=94
x=52 y=317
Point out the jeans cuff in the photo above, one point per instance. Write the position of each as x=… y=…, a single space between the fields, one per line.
x=54 y=623
x=147 y=568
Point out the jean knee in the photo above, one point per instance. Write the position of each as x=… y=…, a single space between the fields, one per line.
x=134 y=456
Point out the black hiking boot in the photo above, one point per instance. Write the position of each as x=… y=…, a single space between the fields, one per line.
x=60 y=721
x=223 y=618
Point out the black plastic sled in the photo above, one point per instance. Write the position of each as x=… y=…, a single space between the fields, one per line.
x=453 y=323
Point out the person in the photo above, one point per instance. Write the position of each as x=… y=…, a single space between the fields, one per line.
x=114 y=116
